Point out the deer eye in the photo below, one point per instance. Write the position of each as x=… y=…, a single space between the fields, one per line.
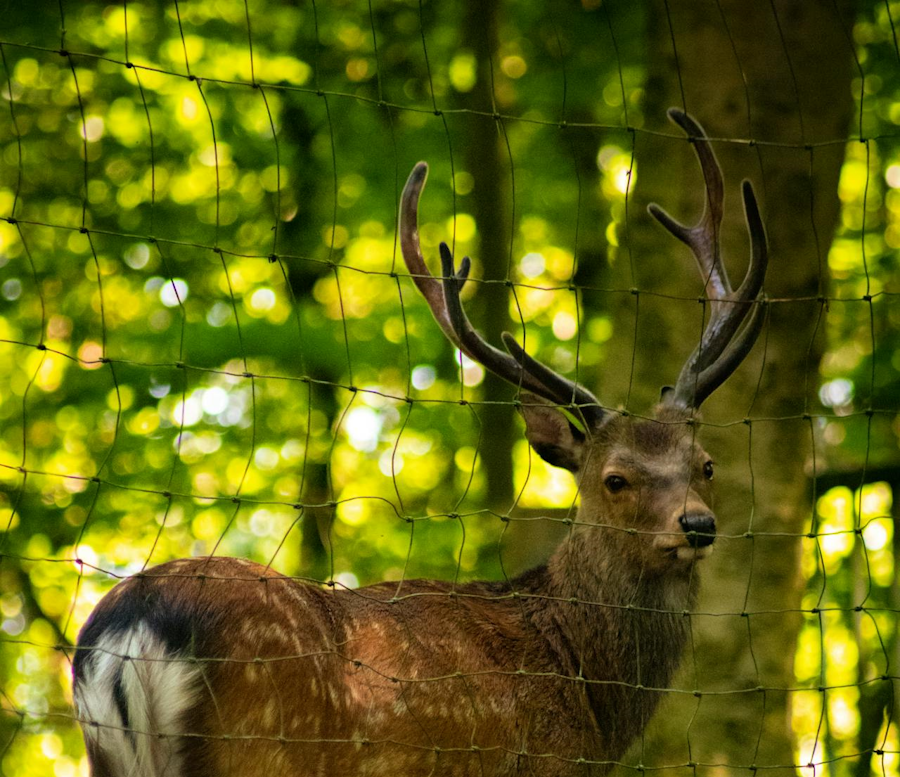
x=708 y=470
x=615 y=483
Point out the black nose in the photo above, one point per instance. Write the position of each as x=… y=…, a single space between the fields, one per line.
x=700 y=528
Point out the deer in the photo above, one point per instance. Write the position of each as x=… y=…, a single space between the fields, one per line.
x=222 y=666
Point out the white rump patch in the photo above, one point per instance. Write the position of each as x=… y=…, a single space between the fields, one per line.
x=158 y=689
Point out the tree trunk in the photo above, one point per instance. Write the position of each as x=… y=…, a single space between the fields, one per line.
x=797 y=63
x=483 y=160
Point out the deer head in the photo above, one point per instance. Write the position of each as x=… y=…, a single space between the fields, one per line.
x=648 y=476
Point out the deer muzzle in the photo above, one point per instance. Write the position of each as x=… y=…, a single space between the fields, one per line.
x=700 y=528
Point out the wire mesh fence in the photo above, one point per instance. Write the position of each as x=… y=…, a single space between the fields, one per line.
x=211 y=346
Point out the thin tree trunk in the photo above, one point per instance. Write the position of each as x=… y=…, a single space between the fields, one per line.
x=482 y=158
x=316 y=552
x=797 y=62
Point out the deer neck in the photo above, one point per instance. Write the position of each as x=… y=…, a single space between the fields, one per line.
x=606 y=620
x=601 y=601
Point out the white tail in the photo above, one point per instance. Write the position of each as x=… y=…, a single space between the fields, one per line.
x=129 y=702
x=219 y=666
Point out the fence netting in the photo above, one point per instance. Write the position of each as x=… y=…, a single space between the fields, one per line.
x=210 y=345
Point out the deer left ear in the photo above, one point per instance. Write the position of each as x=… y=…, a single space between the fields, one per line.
x=551 y=434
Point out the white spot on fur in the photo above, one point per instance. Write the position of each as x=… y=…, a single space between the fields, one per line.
x=269 y=715
x=158 y=689
x=334 y=695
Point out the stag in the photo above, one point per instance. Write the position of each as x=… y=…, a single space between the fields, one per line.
x=220 y=666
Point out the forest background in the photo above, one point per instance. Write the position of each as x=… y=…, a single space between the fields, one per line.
x=208 y=341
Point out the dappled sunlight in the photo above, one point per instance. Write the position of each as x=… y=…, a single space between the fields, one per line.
x=210 y=342
x=835 y=651
x=539 y=484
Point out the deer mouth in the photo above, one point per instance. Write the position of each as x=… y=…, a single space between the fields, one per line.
x=687 y=553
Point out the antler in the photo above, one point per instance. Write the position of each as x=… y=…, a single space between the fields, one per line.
x=722 y=347
x=516 y=367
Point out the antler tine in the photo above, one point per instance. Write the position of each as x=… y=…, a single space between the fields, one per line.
x=759 y=255
x=472 y=344
x=591 y=410
x=696 y=388
x=721 y=348
x=429 y=287
x=703 y=237
x=516 y=366
x=729 y=312
x=718 y=354
x=446 y=306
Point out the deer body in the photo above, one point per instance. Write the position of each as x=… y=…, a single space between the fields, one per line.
x=343 y=668
x=218 y=666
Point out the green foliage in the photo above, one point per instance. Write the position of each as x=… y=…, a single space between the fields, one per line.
x=862 y=367
x=206 y=347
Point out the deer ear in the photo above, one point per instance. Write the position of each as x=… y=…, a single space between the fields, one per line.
x=552 y=435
